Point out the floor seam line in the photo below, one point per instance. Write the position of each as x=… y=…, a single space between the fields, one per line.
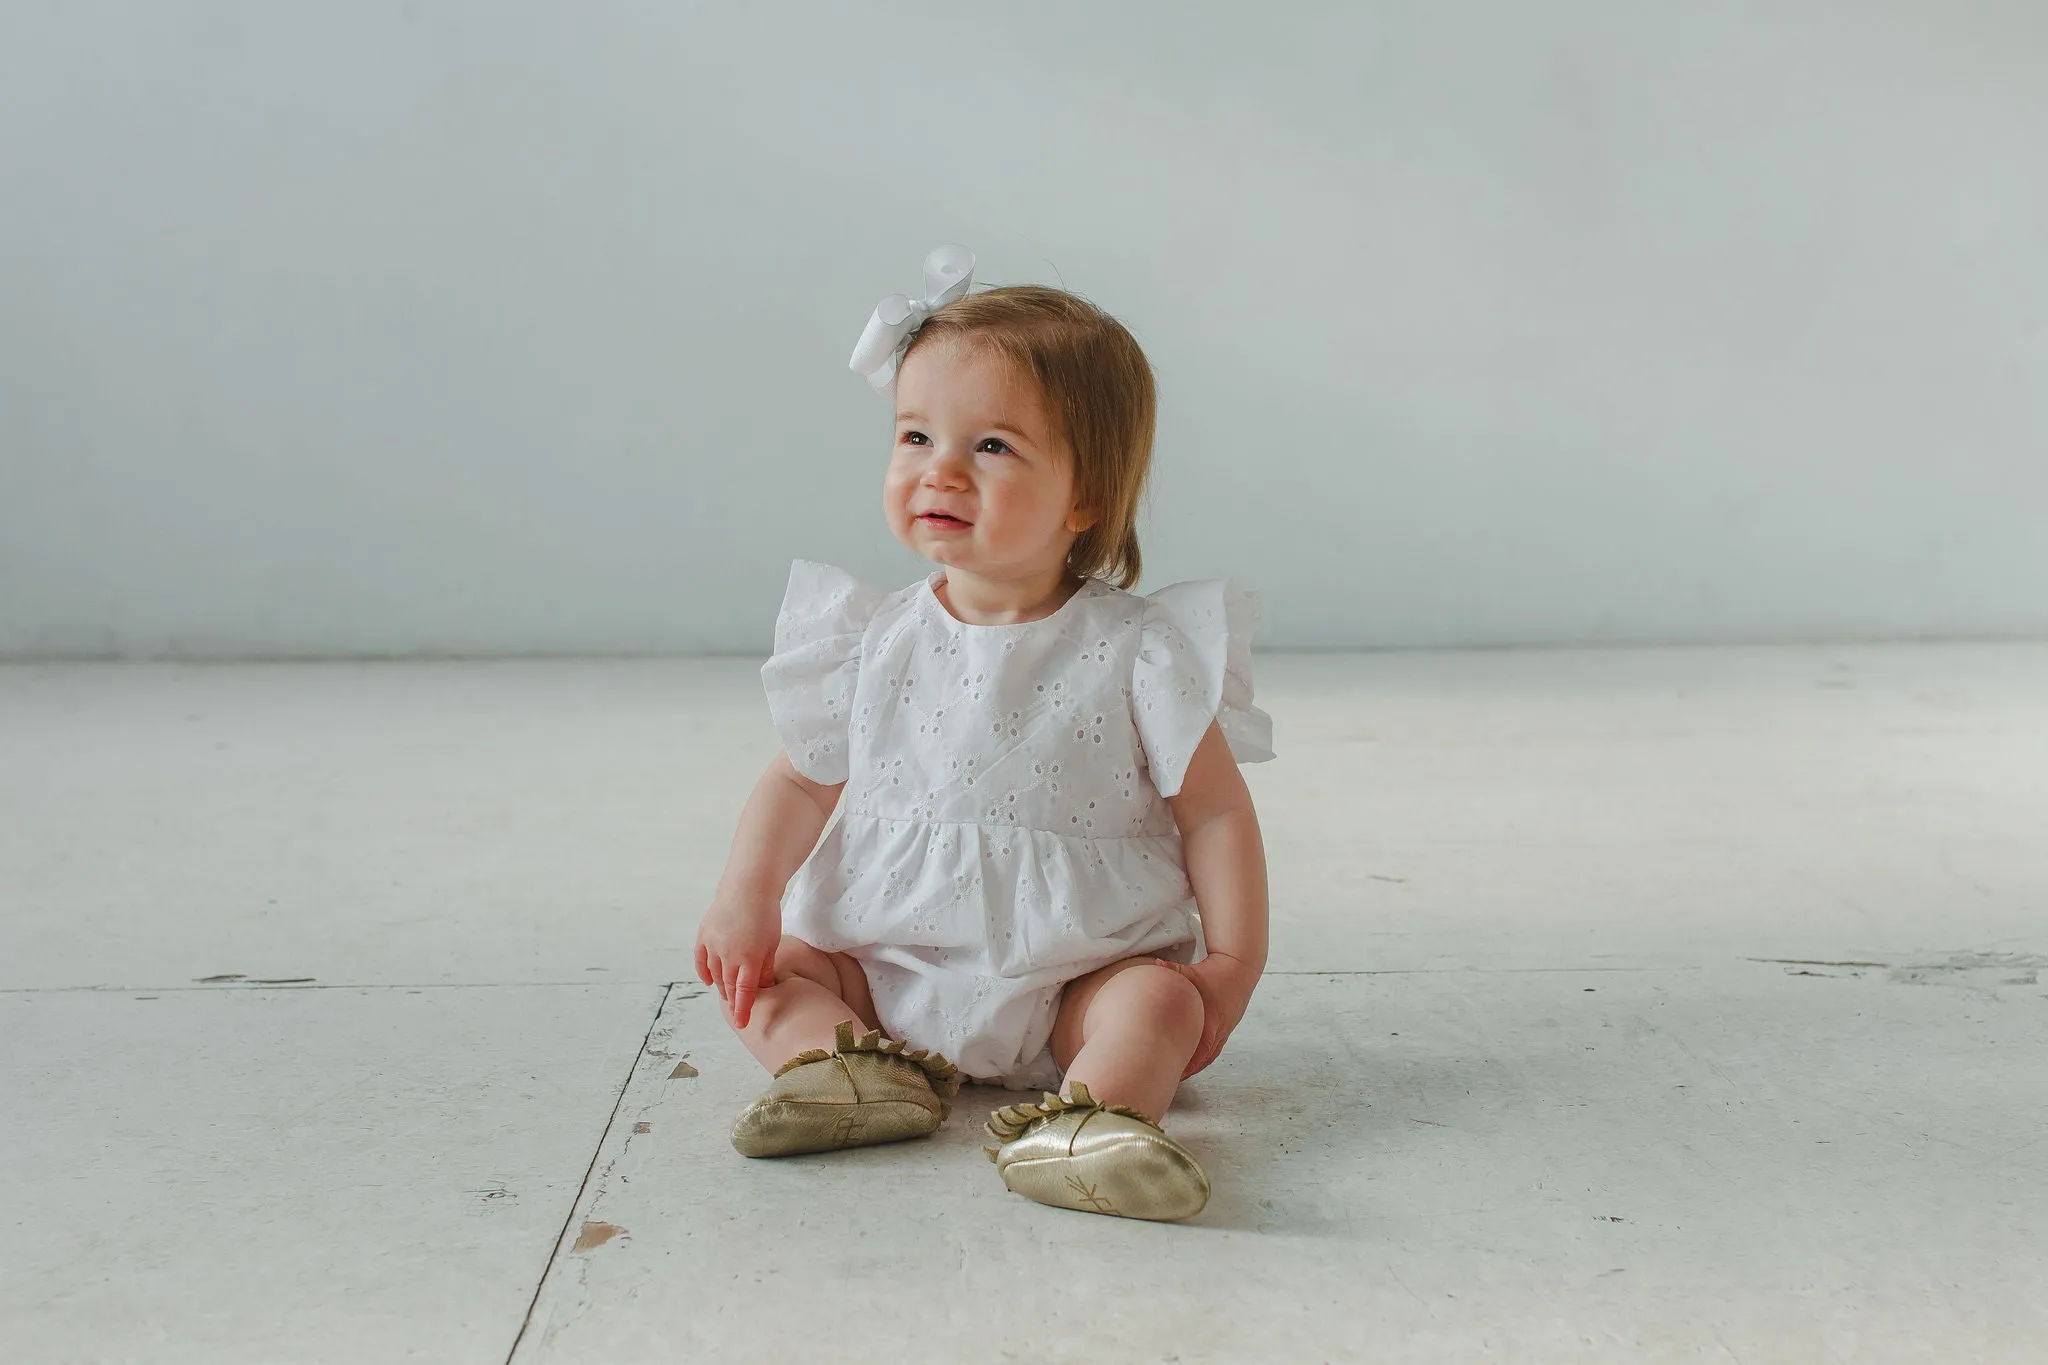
x=583 y=1187
x=252 y=987
x=1472 y=971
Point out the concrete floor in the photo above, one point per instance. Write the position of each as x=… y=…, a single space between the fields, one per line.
x=1625 y=1006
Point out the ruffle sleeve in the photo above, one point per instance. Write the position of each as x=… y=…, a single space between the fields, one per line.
x=810 y=678
x=1194 y=666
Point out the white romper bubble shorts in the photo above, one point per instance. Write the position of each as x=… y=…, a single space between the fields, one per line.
x=1004 y=827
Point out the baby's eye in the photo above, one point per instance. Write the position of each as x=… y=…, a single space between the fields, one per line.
x=915 y=438
x=1000 y=447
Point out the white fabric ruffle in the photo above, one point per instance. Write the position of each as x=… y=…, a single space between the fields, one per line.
x=1194 y=665
x=811 y=677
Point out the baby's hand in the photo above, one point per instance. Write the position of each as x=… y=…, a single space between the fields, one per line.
x=1226 y=984
x=736 y=946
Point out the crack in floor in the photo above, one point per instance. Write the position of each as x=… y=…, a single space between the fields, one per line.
x=562 y=1240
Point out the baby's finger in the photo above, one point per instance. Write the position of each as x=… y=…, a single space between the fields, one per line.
x=1210 y=1046
x=717 y=974
x=703 y=965
x=743 y=991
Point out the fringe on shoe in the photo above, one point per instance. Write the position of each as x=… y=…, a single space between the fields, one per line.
x=1010 y=1122
x=943 y=1075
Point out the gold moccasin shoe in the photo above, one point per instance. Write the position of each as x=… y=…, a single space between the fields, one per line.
x=1098 y=1158
x=868 y=1089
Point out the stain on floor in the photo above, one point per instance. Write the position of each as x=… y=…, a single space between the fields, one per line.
x=594 y=1235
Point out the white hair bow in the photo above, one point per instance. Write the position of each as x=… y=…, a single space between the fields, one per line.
x=947 y=273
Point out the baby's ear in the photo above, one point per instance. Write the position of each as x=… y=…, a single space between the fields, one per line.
x=1080 y=519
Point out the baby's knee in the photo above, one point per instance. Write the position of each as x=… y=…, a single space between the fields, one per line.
x=1167 y=999
x=796 y=960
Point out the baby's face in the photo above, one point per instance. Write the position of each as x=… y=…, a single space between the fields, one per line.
x=978 y=480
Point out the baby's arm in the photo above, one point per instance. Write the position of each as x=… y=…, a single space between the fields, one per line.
x=778 y=828
x=1226 y=865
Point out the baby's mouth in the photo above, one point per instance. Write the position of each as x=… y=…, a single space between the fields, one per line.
x=942 y=519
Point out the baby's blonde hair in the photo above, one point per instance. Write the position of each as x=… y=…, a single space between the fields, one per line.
x=1098 y=391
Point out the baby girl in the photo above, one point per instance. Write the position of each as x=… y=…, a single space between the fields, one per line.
x=1046 y=872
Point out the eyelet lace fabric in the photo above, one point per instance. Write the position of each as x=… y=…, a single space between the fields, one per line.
x=1004 y=826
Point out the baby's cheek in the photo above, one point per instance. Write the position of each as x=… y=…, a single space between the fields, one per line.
x=895 y=500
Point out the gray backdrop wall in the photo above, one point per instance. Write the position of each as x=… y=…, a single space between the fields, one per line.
x=435 y=327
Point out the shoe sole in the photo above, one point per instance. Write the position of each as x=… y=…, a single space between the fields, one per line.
x=1136 y=1179
x=795 y=1128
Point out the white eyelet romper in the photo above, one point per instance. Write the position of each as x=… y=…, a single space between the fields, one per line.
x=1004 y=827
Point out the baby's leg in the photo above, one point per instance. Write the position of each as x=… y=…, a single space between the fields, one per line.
x=1127 y=1032
x=813 y=991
